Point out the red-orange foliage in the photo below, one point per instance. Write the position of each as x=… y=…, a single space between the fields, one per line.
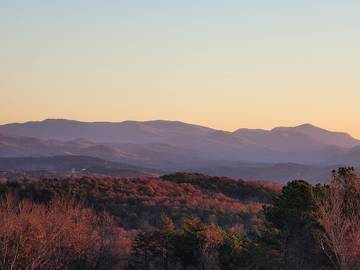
x=60 y=235
x=137 y=202
x=190 y=197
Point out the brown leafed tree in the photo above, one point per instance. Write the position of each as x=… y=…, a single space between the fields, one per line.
x=60 y=235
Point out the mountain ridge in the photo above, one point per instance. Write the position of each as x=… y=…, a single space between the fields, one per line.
x=175 y=145
x=158 y=122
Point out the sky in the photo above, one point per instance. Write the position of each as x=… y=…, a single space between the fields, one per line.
x=224 y=64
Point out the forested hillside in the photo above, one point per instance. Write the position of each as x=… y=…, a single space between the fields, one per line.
x=180 y=221
x=139 y=202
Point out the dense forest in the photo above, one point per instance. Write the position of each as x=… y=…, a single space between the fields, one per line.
x=181 y=221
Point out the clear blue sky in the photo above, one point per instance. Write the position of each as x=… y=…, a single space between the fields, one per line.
x=225 y=64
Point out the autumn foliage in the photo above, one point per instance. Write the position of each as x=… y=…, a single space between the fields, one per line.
x=179 y=222
x=103 y=222
x=59 y=235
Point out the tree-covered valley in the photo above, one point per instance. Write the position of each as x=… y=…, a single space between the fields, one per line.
x=180 y=221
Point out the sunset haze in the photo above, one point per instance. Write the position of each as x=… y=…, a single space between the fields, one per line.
x=223 y=64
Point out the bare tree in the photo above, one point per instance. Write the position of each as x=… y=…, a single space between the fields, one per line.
x=338 y=213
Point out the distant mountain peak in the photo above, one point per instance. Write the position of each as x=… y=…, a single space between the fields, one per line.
x=307 y=125
x=55 y=120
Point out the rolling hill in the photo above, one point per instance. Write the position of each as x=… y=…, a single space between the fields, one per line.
x=74 y=164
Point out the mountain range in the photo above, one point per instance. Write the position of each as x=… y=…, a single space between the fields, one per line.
x=174 y=146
